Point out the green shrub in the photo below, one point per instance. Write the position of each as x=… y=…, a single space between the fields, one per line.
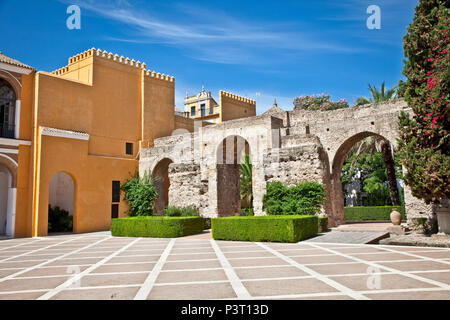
x=59 y=220
x=303 y=198
x=140 y=192
x=371 y=213
x=247 y=212
x=156 y=227
x=265 y=228
x=323 y=224
x=189 y=211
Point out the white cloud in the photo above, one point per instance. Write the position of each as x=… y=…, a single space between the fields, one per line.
x=212 y=36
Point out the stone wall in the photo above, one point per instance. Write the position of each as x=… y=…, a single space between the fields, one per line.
x=289 y=147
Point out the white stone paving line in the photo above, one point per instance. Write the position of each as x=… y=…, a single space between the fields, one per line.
x=381 y=267
x=15 y=246
x=78 y=276
x=48 y=261
x=418 y=256
x=317 y=275
x=37 y=250
x=148 y=284
x=238 y=287
x=346 y=245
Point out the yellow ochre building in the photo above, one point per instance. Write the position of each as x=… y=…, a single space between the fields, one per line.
x=69 y=138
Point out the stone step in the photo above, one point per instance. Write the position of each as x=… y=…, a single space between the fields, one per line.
x=353 y=237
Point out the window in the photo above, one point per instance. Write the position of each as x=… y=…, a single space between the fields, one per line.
x=116 y=191
x=129 y=148
x=7 y=110
x=192 y=111
x=203 y=110
x=114 y=211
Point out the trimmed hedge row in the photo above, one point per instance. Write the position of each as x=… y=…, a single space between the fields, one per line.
x=371 y=213
x=156 y=226
x=265 y=228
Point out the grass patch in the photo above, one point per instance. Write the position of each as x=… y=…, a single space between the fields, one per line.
x=371 y=213
x=291 y=228
x=156 y=227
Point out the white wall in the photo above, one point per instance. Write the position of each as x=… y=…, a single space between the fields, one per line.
x=61 y=192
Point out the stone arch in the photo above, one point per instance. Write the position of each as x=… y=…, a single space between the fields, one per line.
x=229 y=155
x=13 y=82
x=12 y=165
x=62 y=193
x=7 y=201
x=337 y=197
x=160 y=173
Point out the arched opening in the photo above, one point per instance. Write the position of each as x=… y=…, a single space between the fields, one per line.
x=234 y=177
x=7 y=202
x=162 y=184
x=364 y=174
x=7 y=109
x=61 y=203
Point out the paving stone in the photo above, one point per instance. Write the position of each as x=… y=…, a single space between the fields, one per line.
x=180 y=265
x=113 y=279
x=269 y=272
x=320 y=259
x=256 y=262
x=52 y=271
x=31 y=284
x=382 y=282
x=416 y=265
x=443 y=277
x=282 y=287
x=199 y=256
x=332 y=269
x=112 y=268
x=21 y=296
x=193 y=292
x=98 y=294
x=418 y=295
x=191 y=276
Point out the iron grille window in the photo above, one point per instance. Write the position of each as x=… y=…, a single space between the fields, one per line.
x=7 y=109
x=116 y=191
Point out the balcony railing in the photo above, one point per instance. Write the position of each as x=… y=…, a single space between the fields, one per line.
x=7 y=130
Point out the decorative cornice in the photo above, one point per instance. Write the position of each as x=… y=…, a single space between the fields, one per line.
x=53 y=132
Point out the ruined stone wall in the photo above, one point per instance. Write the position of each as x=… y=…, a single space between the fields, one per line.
x=289 y=147
x=186 y=187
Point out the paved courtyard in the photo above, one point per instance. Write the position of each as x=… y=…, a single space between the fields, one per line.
x=98 y=266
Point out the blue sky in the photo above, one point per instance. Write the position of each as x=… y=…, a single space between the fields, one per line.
x=259 y=49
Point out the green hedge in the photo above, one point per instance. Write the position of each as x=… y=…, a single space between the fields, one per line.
x=156 y=227
x=371 y=213
x=265 y=228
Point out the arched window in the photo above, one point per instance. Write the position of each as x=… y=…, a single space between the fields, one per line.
x=7 y=109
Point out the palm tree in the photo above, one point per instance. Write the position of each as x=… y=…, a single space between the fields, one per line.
x=378 y=144
x=245 y=171
x=378 y=96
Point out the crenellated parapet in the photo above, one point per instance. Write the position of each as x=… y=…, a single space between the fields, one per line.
x=236 y=97
x=115 y=58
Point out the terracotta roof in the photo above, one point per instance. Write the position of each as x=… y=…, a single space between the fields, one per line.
x=8 y=60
